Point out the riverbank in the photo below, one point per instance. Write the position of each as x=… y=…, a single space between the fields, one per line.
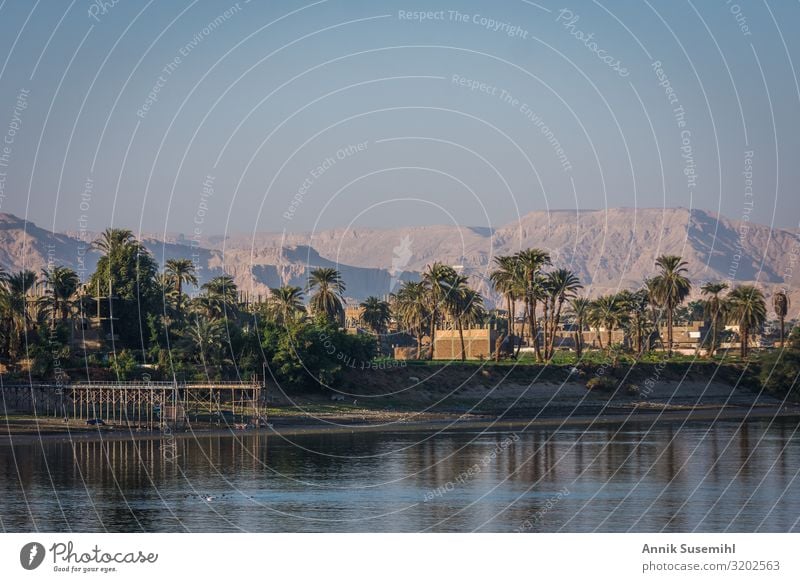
x=456 y=396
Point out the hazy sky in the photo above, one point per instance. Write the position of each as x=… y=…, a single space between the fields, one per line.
x=209 y=117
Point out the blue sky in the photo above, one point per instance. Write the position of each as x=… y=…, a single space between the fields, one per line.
x=211 y=117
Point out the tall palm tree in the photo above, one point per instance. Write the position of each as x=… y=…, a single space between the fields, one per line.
x=714 y=309
x=507 y=279
x=438 y=280
x=61 y=287
x=464 y=305
x=112 y=239
x=670 y=288
x=219 y=297
x=286 y=304
x=531 y=262
x=181 y=271
x=580 y=308
x=562 y=285
x=375 y=313
x=780 y=303
x=18 y=287
x=608 y=311
x=748 y=310
x=411 y=305
x=328 y=297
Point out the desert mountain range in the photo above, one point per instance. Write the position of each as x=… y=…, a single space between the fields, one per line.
x=609 y=249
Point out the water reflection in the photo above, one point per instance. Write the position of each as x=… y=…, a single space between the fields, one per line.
x=642 y=478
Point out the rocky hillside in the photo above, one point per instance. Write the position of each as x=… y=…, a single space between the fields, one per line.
x=610 y=249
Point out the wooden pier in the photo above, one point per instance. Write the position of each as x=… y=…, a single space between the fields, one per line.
x=145 y=404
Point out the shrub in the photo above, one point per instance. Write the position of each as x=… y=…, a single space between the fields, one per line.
x=601 y=384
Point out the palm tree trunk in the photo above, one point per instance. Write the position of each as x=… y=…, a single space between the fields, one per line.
x=669 y=331
x=433 y=333
x=535 y=330
x=461 y=337
x=419 y=344
x=743 y=341
x=783 y=321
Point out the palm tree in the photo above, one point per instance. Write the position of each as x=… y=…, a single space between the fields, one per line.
x=219 y=297
x=61 y=287
x=780 y=303
x=329 y=296
x=714 y=309
x=376 y=314
x=411 y=305
x=438 y=279
x=637 y=304
x=748 y=310
x=112 y=239
x=670 y=288
x=286 y=303
x=608 y=311
x=208 y=337
x=464 y=306
x=531 y=263
x=180 y=271
x=18 y=286
x=507 y=279
x=562 y=285
x=580 y=308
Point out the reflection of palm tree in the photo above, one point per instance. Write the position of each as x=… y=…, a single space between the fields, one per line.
x=375 y=313
x=670 y=288
x=438 y=279
x=714 y=310
x=328 y=297
x=780 y=303
x=61 y=287
x=180 y=271
x=748 y=310
x=412 y=307
x=286 y=303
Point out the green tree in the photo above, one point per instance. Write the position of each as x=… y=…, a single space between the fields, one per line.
x=438 y=279
x=61 y=289
x=748 y=310
x=562 y=285
x=580 y=308
x=780 y=304
x=328 y=296
x=286 y=304
x=181 y=272
x=714 y=310
x=411 y=306
x=376 y=313
x=531 y=263
x=670 y=288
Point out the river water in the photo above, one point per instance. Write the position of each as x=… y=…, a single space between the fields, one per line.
x=728 y=476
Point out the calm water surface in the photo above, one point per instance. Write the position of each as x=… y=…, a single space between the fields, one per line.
x=670 y=477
